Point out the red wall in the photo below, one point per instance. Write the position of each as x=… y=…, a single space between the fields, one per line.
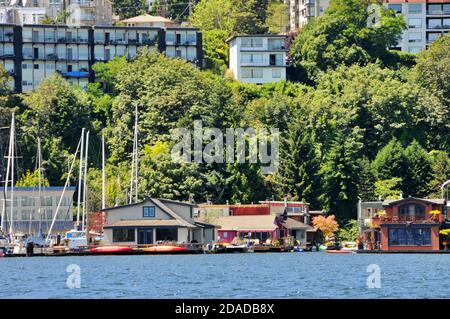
x=241 y=210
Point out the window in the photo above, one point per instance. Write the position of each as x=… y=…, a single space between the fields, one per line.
x=252 y=42
x=225 y=234
x=414 y=8
x=36 y=66
x=409 y=236
x=415 y=37
x=396 y=7
x=252 y=58
x=434 y=9
x=434 y=23
x=166 y=234
x=149 y=211
x=46 y=201
x=410 y=210
x=414 y=23
x=123 y=235
x=252 y=73
x=432 y=37
x=414 y=50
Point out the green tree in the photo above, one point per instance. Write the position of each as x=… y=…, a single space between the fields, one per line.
x=440 y=167
x=277 y=16
x=340 y=174
x=299 y=177
x=389 y=188
x=418 y=173
x=366 y=180
x=341 y=36
x=390 y=161
x=32 y=179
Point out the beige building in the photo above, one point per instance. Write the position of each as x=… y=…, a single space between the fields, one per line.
x=147 y=20
x=34 y=210
x=155 y=220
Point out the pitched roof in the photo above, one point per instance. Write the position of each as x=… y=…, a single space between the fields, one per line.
x=438 y=201
x=247 y=223
x=294 y=224
x=147 y=18
x=146 y=222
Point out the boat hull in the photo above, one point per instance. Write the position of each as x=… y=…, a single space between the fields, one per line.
x=111 y=249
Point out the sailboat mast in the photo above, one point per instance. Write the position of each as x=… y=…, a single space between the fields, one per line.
x=103 y=173
x=8 y=167
x=40 y=184
x=134 y=162
x=136 y=155
x=80 y=177
x=85 y=181
x=11 y=146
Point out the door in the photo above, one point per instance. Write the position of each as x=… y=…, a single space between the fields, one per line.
x=145 y=236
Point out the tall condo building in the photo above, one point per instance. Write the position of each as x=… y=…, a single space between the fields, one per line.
x=31 y=53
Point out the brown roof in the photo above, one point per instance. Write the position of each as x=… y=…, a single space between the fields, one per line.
x=294 y=224
x=438 y=201
x=146 y=222
x=247 y=222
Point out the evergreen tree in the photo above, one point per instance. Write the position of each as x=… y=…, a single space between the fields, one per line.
x=418 y=173
x=298 y=176
x=340 y=175
x=390 y=161
x=366 y=180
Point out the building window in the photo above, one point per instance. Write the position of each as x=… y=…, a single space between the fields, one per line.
x=149 y=211
x=166 y=234
x=414 y=23
x=276 y=74
x=225 y=234
x=415 y=8
x=412 y=210
x=252 y=73
x=36 y=66
x=415 y=37
x=409 y=236
x=396 y=7
x=123 y=235
x=414 y=50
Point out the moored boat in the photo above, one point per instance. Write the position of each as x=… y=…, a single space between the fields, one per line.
x=111 y=249
x=164 y=249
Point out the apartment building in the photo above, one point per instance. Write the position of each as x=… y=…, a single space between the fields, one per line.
x=31 y=53
x=426 y=21
x=34 y=210
x=303 y=11
x=80 y=12
x=258 y=58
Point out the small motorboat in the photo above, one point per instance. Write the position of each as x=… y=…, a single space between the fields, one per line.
x=111 y=249
x=164 y=249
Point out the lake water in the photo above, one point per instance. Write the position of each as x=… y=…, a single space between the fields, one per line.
x=271 y=275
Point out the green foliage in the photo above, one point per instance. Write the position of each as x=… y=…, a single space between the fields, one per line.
x=341 y=36
x=390 y=161
x=418 y=173
x=32 y=179
x=349 y=232
x=277 y=16
x=389 y=188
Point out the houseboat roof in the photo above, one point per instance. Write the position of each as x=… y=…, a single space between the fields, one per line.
x=316 y=212
x=247 y=223
x=294 y=224
x=148 y=222
x=280 y=202
x=437 y=201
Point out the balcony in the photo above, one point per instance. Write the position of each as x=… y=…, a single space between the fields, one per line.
x=377 y=221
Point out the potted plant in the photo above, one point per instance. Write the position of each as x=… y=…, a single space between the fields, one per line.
x=445 y=234
x=435 y=215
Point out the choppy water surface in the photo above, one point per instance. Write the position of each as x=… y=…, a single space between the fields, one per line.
x=271 y=275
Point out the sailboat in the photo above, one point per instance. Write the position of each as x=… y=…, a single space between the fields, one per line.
x=76 y=238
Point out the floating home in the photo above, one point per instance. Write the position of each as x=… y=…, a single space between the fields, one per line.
x=409 y=224
x=155 y=220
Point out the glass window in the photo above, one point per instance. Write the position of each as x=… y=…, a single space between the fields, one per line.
x=446 y=23
x=446 y=8
x=434 y=9
x=149 y=211
x=409 y=236
x=415 y=37
x=434 y=23
x=432 y=37
x=225 y=234
x=166 y=234
x=397 y=7
x=123 y=235
x=415 y=8
x=414 y=50
x=414 y=23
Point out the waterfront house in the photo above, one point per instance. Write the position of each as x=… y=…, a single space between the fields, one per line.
x=261 y=229
x=155 y=220
x=147 y=20
x=34 y=210
x=407 y=224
